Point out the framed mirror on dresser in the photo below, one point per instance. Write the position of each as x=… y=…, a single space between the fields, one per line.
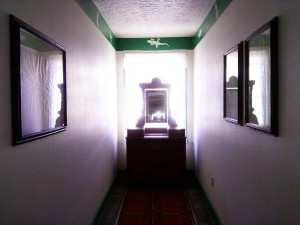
x=156 y=102
x=156 y=148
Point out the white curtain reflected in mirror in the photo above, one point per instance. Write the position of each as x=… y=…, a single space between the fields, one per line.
x=259 y=77
x=41 y=73
x=38 y=78
x=261 y=72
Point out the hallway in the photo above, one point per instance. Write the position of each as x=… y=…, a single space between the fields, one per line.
x=109 y=212
x=65 y=178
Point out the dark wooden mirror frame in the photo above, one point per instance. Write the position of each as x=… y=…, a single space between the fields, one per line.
x=238 y=83
x=272 y=129
x=15 y=42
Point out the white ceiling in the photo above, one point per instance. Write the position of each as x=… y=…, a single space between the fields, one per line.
x=154 y=18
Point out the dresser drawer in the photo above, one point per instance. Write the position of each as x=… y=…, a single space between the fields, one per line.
x=156 y=160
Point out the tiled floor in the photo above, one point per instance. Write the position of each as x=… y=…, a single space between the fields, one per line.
x=111 y=212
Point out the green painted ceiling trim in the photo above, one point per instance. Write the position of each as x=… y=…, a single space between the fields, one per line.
x=154 y=44
x=213 y=15
x=170 y=43
x=93 y=13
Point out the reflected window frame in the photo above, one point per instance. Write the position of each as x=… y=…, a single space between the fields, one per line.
x=148 y=102
x=272 y=128
x=18 y=137
x=228 y=87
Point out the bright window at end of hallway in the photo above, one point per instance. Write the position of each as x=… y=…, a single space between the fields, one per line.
x=142 y=68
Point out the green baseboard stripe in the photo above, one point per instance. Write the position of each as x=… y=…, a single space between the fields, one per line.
x=151 y=43
x=210 y=209
x=103 y=206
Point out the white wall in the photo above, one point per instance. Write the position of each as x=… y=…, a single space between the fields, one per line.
x=257 y=178
x=63 y=178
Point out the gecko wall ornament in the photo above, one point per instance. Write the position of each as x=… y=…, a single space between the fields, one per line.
x=156 y=43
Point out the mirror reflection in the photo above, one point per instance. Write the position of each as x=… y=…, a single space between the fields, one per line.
x=156 y=105
x=41 y=81
x=232 y=97
x=260 y=80
x=232 y=85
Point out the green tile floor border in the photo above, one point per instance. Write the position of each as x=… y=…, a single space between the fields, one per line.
x=153 y=43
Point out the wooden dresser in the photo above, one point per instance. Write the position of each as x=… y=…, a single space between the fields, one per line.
x=156 y=160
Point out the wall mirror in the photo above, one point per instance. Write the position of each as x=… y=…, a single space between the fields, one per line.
x=38 y=74
x=156 y=105
x=233 y=84
x=261 y=78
